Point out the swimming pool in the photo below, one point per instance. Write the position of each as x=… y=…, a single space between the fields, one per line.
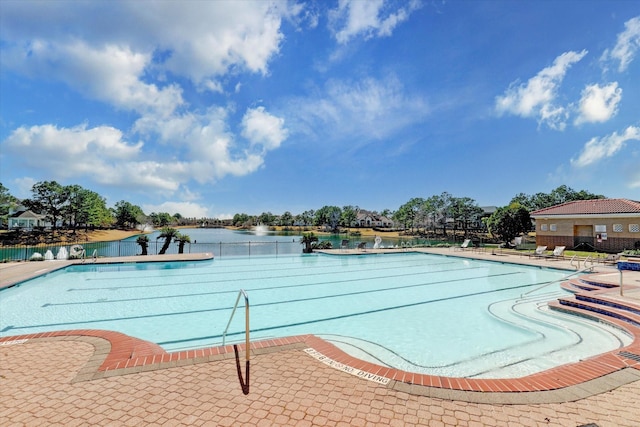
x=416 y=312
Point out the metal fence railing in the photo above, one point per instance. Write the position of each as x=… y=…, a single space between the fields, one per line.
x=130 y=248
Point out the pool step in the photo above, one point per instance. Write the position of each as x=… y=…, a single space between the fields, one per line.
x=578 y=284
x=598 y=306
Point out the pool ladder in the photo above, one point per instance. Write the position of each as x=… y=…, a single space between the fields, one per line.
x=244 y=383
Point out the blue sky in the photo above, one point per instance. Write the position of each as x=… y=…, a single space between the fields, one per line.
x=211 y=108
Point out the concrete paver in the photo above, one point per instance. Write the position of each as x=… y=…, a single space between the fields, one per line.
x=287 y=388
x=39 y=386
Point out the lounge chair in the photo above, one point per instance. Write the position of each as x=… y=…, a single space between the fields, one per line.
x=362 y=246
x=344 y=245
x=558 y=252
x=539 y=252
x=465 y=244
x=611 y=259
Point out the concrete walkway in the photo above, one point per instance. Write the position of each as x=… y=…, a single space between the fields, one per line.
x=43 y=381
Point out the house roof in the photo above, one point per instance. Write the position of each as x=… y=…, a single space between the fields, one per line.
x=26 y=214
x=592 y=207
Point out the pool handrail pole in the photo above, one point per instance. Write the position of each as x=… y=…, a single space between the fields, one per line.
x=233 y=312
x=544 y=285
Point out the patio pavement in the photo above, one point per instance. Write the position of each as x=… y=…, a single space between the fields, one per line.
x=42 y=383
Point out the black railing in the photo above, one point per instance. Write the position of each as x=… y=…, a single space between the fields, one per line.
x=131 y=248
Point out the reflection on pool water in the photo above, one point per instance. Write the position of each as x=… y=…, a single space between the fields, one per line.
x=416 y=312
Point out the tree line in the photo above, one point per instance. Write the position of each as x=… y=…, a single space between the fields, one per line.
x=75 y=207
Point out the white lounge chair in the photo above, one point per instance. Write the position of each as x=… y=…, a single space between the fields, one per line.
x=465 y=244
x=558 y=252
x=539 y=252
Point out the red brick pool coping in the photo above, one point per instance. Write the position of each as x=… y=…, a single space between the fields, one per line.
x=119 y=354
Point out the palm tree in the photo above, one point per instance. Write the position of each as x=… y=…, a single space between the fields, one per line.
x=168 y=234
x=143 y=241
x=181 y=239
x=307 y=240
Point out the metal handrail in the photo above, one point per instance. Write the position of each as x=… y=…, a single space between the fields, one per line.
x=556 y=281
x=244 y=384
x=235 y=306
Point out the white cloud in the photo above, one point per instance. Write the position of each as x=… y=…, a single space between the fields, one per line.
x=627 y=44
x=597 y=149
x=262 y=128
x=201 y=43
x=207 y=145
x=536 y=97
x=186 y=209
x=98 y=153
x=599 y=103
x=370 y=18
x=108 y=73
x=357 y=111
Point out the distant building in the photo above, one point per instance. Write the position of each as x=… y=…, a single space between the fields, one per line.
x=607 y=225
x=370 y=219
x=24 y=218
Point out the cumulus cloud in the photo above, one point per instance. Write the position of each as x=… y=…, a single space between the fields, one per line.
x=599 y=103
x=597 y=149
x=220 y=37
x=626 y=46
x=108 y=73
x=186 y=209
x=536 y=97
x=262 y=128
x=372 y=18
x=99 y=153
x=127 y=65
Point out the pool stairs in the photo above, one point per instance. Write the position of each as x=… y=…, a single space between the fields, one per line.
x=591 y=300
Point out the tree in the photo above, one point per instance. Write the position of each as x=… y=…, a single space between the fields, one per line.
x=508 y=222
x=86 y=208
x=127 y=215
x=266 y=218
x=168 y=234
x=143 y=241
x=464 y=210
x=557 y=196
x=328 y=216
x=286 y=219
x=307 y=240
x=348 y=216
x=7 y=201
x=408 y=213
x=49 y=199
x=181 y=239
x=239 y=219
x=162 y=219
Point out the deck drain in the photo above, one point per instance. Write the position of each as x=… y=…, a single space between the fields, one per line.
x=631 y=356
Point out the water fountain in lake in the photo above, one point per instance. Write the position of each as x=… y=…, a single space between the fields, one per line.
x=260 y=230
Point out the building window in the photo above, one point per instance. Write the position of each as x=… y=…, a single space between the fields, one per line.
x=634 y=228
x=617 y=228
x=553 y=227
x=543 y=227
x=601 y=228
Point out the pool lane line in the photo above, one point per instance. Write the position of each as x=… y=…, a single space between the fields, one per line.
x=245 y=279
x=347 y=316
x=270 y=288
x=298 y=268
x=181 y=313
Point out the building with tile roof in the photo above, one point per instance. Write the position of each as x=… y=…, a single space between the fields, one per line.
x=606 y=225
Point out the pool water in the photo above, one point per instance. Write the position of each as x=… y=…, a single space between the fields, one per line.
x=417 y=312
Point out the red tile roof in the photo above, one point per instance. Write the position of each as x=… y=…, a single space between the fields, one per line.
x=596 y=206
